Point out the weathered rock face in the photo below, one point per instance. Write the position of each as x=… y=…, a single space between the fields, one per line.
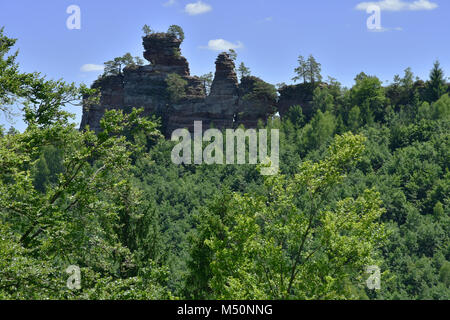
x=218 y=109
x=112 y=96
x=257 y=101
x=221 y=104
x=162 y=50
x=301 y=94
x=225 y=82
x=227 y=106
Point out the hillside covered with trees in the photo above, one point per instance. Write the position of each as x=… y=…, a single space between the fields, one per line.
x=364 y=180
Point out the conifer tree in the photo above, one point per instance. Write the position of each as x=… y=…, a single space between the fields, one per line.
x=436 y=85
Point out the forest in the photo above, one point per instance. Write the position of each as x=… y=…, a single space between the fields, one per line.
x=364 y=181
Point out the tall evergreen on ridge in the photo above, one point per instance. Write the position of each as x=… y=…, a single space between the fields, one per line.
x=436 y=85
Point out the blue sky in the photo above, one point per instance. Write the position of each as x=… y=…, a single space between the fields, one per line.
x=268 y=35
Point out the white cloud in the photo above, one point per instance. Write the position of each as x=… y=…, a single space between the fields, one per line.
x=222 y=45
x=423 y=5
x=169 y=3
x=197 y=8
x=399 y=5
x=92 y=67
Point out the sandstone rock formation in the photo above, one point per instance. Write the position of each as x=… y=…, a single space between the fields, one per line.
x=162 y=50
x=257 y=101
x=228 y=105
x=301 y=95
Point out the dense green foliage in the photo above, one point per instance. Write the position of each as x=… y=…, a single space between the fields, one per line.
x=364 y=181
x=177 y=31
x=176 y=87
x=117 y=65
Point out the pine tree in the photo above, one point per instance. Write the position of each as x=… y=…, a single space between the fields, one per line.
x=116 y=66
x=207 y=80
x=176 y=31
x=301 y=70
x=243 y=71
x=147 y=30
x=314 y=70
x=436 y=84
x=233 y=54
